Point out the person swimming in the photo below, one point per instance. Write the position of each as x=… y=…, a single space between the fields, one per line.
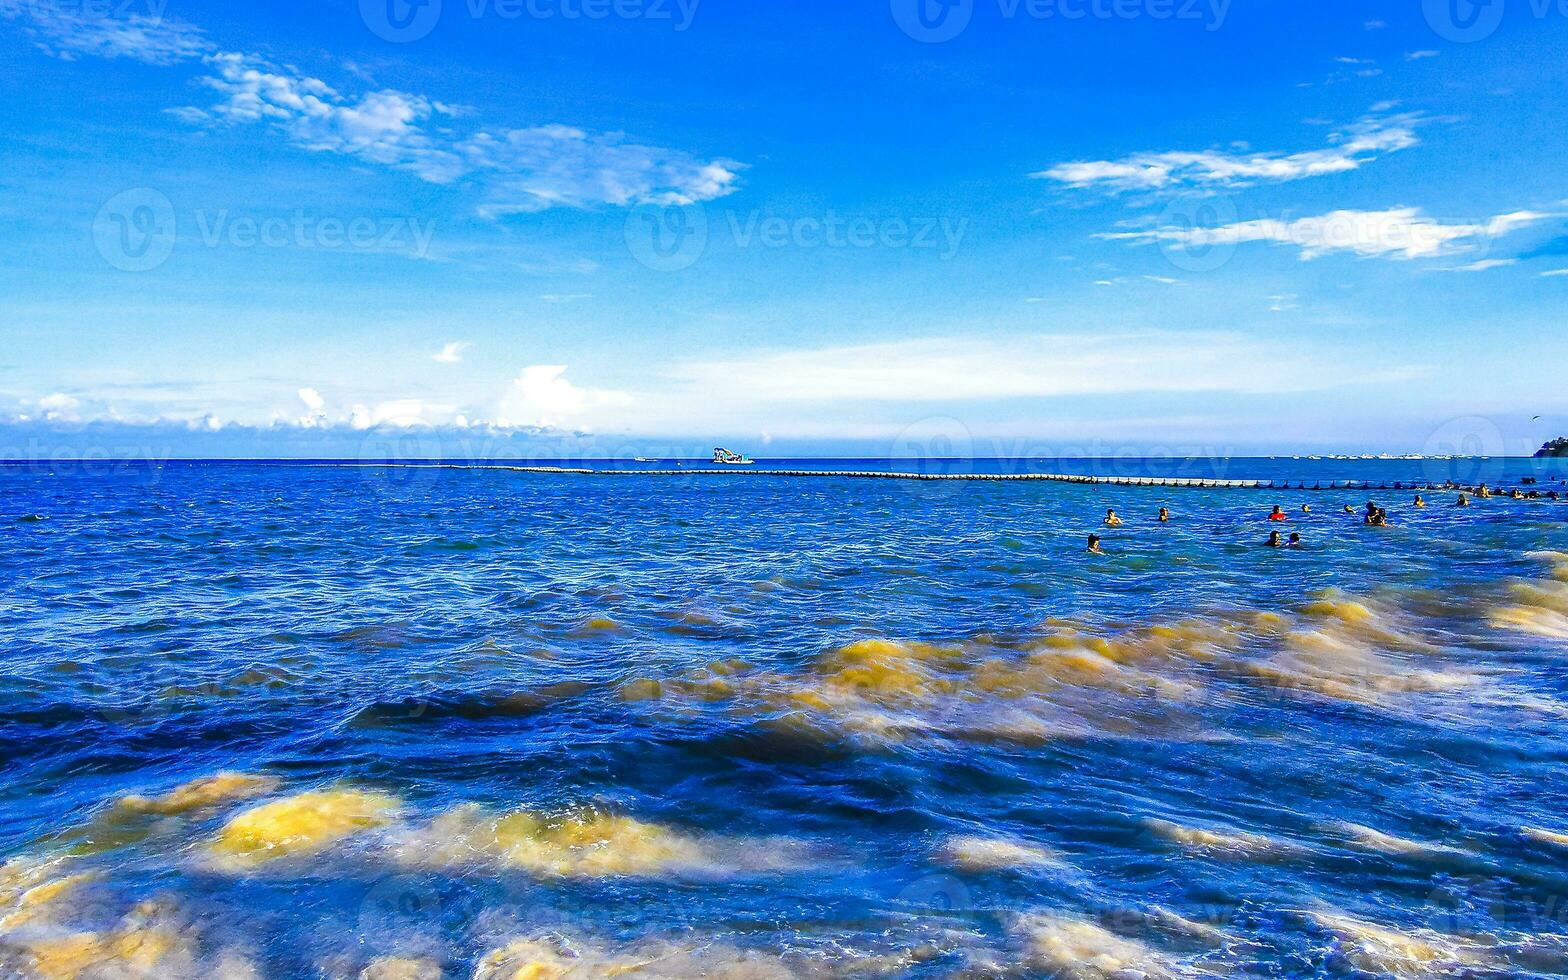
x=1277 y=514
x=1274 y=540
x=1349 y=509
x=1111 y=520
x=1306 y=508
x=1165 y=515
x=1295 y=540
x=1419 y=502
x=1094 y=545
x=1377 y=518
x=1463 y=501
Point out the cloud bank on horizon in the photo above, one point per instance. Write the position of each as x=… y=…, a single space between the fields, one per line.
x=636 y=286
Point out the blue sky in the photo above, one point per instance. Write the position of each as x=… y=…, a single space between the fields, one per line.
x=604 y=227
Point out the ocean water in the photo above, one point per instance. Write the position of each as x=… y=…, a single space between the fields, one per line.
x=276 y=721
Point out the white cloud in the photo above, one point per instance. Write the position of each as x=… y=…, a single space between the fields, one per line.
x=1163 y=280
x=69 y=30
x=1365 y=141
x=546 y=166
x=451 y=353
x=1031 y=366
x=523 y=170
x=384 y=127
x=59 y=407
x=564 y=297
x=542 y=397
x=402 y=413
x=1418 y=55
x=1554 y=272
x=1401 y=233
x=1484 y=264
x=519 y=170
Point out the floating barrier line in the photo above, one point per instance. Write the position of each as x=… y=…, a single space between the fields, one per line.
x=1118 y=481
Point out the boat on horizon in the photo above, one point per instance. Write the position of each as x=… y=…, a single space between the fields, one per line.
x=725 y=457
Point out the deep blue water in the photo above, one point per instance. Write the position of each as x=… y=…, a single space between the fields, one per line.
x=737 y=727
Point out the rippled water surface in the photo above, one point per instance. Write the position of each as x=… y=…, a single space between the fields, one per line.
x=265 y=721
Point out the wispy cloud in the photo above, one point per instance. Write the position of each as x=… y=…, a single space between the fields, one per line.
x=1554 y=272
x=101 y=30
x=452 y=353
x=1419 y=55
x=1399 y=233
x=523 y=170
x=516 y=169
x=385 y=127
x=1033 y=366
x=1484 y=264
x=1363 y=142
x=546 y=166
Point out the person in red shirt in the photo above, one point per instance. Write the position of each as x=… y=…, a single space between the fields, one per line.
x=1277 y=514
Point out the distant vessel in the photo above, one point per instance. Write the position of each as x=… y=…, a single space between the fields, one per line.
x=645 y=459
x=1557 y=448
x=724 y=457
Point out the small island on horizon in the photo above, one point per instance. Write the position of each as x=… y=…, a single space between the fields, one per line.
x=1555 y=448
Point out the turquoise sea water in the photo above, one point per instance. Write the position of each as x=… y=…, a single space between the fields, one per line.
x=290 y=721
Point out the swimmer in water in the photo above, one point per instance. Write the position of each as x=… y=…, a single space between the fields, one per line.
x=1165 y=515
x=1111 y=520
x=1094 y=545
x=1378 y=518
x=1277 y=515
x=1295 y=540
x=1306 y=508
x=1463 y=501
x=1349 y=509
x=1484 y=492
x=1274 y=541
x=1419 y=501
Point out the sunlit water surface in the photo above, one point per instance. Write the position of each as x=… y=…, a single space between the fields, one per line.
x=266 y=722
